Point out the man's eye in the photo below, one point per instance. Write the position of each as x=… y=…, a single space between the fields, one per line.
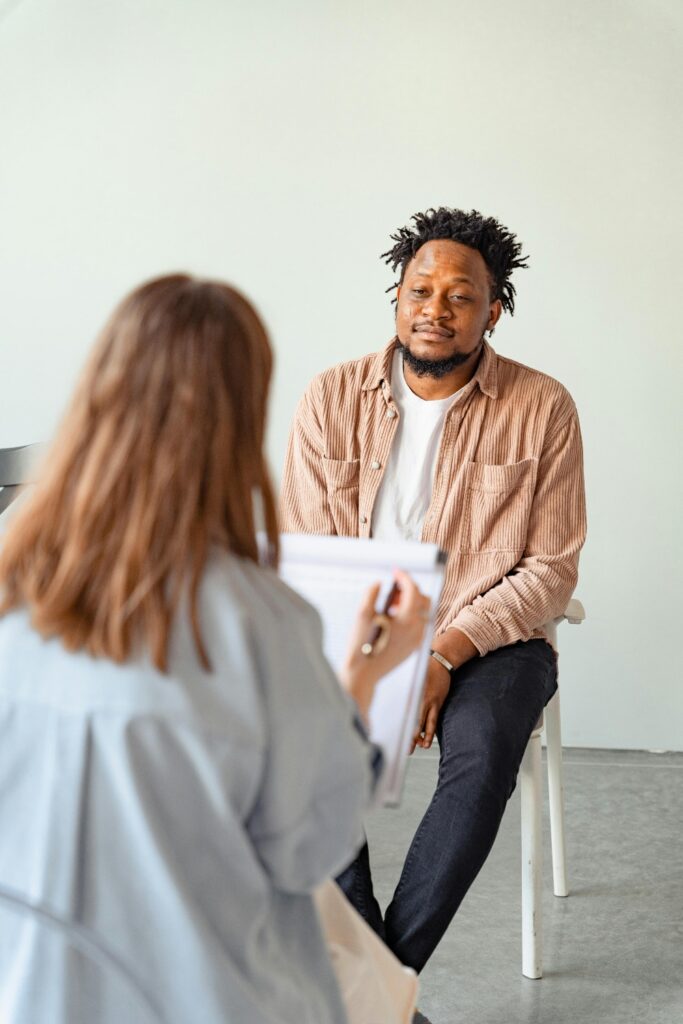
x=418 y=291
x=461 y=298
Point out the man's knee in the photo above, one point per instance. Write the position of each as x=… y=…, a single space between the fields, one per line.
x=482 y=749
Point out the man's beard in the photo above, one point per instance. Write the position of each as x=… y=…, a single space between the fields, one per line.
x=432 y=367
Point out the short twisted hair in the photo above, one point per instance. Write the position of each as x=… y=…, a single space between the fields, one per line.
x=500 y=250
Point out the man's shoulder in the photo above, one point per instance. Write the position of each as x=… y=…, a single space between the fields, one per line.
x=350 y=374
x=516 y=379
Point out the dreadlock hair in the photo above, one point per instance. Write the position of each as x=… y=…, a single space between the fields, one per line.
x=500 y=250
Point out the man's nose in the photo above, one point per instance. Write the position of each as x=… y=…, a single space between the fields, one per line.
x=436 y=308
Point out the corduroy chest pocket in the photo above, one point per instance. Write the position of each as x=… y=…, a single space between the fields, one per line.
x=343 y=479
x=497 y=505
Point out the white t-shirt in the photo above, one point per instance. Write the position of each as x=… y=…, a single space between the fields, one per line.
x=406 y=489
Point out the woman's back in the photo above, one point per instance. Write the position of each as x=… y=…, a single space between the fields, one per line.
x=184 y=817
x=178 y=765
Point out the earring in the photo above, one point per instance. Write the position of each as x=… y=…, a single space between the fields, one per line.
x=491 y=330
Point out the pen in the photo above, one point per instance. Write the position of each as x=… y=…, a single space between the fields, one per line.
x=381 y=623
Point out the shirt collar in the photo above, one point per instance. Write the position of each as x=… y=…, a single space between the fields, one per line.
x=487 y=372
x=379 y=368
x=486 y=376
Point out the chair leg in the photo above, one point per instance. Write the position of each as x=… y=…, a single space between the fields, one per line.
x=532 y=864
x=553 y=737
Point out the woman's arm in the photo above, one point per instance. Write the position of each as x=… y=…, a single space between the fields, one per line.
x=317 y=779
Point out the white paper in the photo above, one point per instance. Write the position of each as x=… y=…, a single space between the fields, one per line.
x=333 y=573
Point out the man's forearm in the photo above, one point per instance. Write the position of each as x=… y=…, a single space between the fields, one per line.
x=518 y=604
x=455 y=647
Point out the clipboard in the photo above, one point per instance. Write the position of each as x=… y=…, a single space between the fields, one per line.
x=332 y=573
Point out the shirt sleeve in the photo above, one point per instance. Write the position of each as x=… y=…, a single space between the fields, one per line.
x=320 y=770
x=540 y=585
x=303 y=494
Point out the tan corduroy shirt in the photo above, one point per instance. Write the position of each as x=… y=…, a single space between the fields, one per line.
x=508 y=497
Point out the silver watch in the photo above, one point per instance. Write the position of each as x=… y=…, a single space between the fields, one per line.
x=441 y=660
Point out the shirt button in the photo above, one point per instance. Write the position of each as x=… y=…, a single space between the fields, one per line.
x=375 y=465
x=363 y=519
x=391 y=413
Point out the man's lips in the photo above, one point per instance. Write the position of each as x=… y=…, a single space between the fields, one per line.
x=432 y=329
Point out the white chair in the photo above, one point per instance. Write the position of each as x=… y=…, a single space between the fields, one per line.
x=17 y=467
x=532 y=801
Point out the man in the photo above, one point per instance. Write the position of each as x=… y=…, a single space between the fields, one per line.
x=438 y=438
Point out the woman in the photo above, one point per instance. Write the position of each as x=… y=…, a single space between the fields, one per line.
x=180 y=767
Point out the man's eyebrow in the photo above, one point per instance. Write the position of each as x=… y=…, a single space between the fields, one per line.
x=454 y=280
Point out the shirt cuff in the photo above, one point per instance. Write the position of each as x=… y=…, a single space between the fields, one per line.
x=484 y=635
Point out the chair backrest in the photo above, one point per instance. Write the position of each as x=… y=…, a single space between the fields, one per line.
x=54 y=971
x=17 y=467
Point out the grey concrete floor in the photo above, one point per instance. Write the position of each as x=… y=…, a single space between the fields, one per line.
x=613 y=950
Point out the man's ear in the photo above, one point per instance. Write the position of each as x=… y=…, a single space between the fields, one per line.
x=494 y=317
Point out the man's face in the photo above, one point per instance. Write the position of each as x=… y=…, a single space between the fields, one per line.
x=444 y=303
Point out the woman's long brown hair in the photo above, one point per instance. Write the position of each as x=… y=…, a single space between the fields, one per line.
x=157 y=459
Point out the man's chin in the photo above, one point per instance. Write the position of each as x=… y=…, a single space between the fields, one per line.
x=431 y=366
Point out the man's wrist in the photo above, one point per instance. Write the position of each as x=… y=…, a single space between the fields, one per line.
x=444 y=662
x=455 y=646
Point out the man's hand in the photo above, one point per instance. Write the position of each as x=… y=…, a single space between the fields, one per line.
x=437 y=685
x=456 y=648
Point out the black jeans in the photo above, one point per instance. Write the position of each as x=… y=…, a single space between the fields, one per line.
x=484 y=726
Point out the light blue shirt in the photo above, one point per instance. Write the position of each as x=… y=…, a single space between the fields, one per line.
x=185 y=818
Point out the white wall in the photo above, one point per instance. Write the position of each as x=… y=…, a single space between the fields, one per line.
x=279 y=144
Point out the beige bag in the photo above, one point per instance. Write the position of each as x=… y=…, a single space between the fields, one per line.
x=375 y=986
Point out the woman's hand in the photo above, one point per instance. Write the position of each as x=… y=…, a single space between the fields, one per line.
x=409 y=615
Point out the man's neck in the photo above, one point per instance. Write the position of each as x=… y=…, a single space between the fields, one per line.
x=433 y=388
